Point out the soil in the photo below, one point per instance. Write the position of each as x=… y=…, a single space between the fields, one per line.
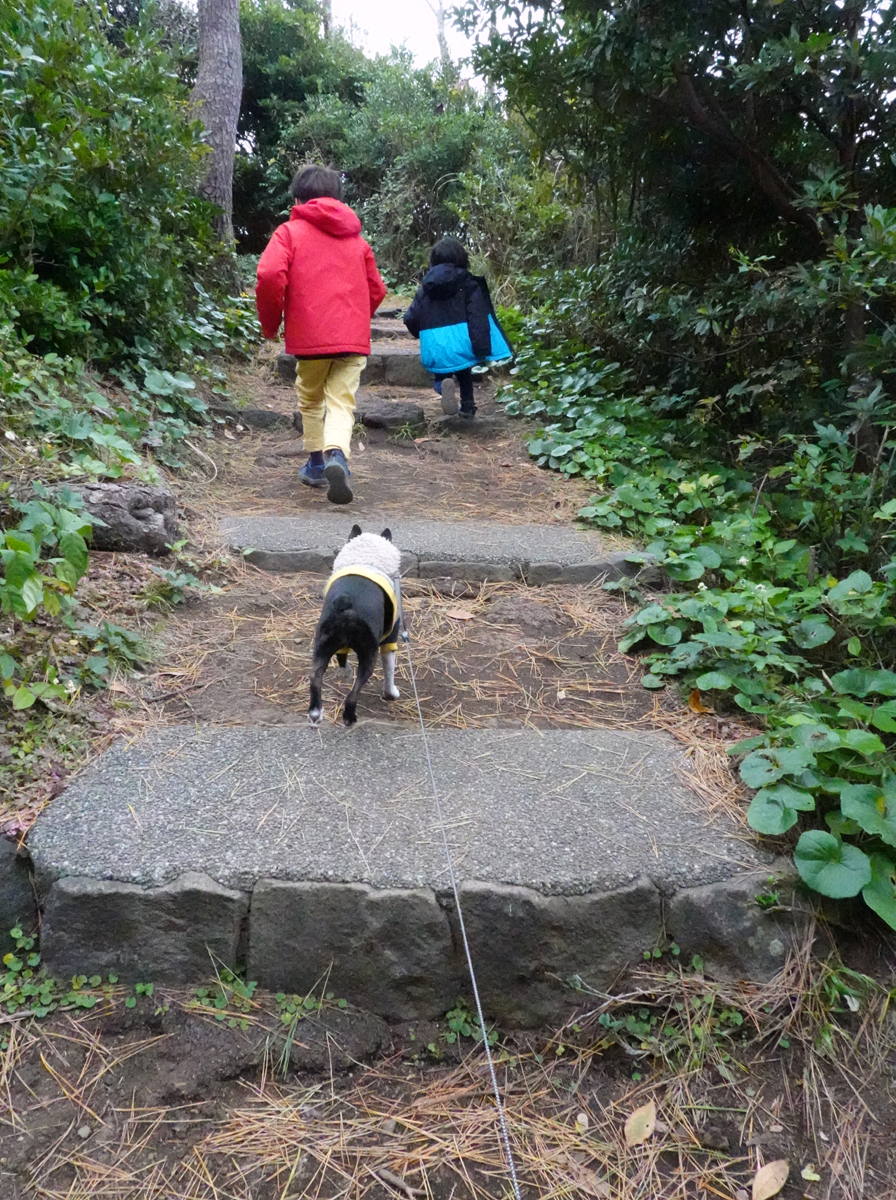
x=161 y=1100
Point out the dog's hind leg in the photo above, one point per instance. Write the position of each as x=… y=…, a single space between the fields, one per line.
x=390 y=691
x=366 y=663
x=315 y=706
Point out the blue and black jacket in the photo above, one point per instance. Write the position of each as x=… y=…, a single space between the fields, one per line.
x=453 y=316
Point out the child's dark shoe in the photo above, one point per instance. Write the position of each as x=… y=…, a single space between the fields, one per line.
x=312 y=475
x=337 y=477
x=449 y=397
x=467 y=413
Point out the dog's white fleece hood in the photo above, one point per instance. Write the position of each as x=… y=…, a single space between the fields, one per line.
x=369 y=550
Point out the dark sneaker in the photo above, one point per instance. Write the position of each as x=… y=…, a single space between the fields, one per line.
x=449 y=397
x=312 y=475
x=337 y=476
x=467 y=413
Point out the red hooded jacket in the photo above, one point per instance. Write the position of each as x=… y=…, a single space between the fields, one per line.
x=320 y=271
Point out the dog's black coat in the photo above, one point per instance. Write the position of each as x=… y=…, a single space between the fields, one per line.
x=354 y=617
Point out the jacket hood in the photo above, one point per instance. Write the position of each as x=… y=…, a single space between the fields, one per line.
x=329 y=216
x=444 y=280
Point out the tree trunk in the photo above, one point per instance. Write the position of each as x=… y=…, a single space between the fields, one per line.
x=217 y=95
x=327 y=16
x=438 y=9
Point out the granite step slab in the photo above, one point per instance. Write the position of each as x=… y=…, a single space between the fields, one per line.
x=469 y=550
x=572 y=850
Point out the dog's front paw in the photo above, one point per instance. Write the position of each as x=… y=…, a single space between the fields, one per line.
x=349 y=718
x=391 y=693
x=315 y=716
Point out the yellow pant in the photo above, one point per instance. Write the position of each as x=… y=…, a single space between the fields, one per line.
x=326 y=388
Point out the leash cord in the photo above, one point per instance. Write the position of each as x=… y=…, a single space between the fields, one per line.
x=511 y=1166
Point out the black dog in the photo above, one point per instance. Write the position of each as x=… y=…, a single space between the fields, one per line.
x=360 y=613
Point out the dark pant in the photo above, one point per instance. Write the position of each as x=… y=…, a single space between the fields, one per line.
x=465 y=384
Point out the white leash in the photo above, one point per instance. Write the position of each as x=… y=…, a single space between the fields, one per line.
x=505 y=1136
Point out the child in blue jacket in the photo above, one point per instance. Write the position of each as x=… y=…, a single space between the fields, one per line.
x=453 y=316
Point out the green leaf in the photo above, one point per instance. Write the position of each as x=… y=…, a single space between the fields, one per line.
x=73 y=549
x=873 y=807
x=812 y=632
x=880 y=893
x=830 y=866
x=32 y=592
x=841 y=826
x=854 y=647
x=665 y=635
x=775 y=809
x=861 y=740
x=7 y=667
x=858 y=583
x=652 y=681
x=713 y=681
x=816 y=737
x=23 y=697
x=763 y=767
x=858 y=681
x=884 y=717
x=19 y=568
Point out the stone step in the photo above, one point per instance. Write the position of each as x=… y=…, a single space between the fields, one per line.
x=394 y=363
x=317 y=852
x=384 y=331
x=470 y=550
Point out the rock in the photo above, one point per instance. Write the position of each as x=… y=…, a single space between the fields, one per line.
x=297 y=423
x=134 y=517
x=479 y=427
x=406 y=370
x=286 y=367
x=316 y=562
x=378 y=413
x=386 y=331
x=525 y=945
x=263 y=418
x=385 y=950
x=391 y=312
x=226 y=413
x=18 y=905
x=480 y=571
x=735 y=937
x=173 y=934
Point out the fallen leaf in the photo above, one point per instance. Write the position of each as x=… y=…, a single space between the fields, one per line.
x=640 y=1124
x=776 y=1128
x=695 y=704
x=770 y=1179
x=458 y=614
x=505 y=464
x=585 y=1180
x=582 y=1122
x=561 y=695
x=852 y=1003
x=741 y=1194
x=809 y=1172
x=115 y=686
x=230 y=436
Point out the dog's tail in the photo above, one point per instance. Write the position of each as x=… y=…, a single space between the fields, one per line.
x=343 y=604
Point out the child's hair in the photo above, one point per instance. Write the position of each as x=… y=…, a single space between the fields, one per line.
x=449 y=250
x=312 y=183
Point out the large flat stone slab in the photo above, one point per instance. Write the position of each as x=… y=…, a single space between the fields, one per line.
x=563 y=812
x=576 y=852
x=474 y=550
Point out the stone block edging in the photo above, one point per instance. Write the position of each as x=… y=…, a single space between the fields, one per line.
x=397 y=952
x=319 y=561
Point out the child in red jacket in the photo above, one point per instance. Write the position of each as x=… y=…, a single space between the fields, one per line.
x=319 y=271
